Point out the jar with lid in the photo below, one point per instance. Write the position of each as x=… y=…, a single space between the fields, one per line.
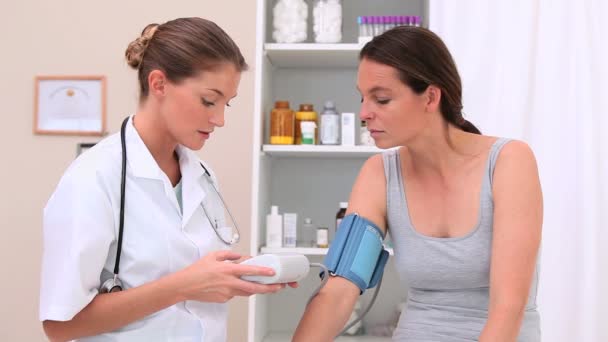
x=327 y=21
x=306 y=113
x=330 y=124
x=290 y=21
x=308 y=236
x=322 y=237
x=282 y=124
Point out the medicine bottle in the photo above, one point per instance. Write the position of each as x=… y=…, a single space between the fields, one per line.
x=322 y=237
x=306 y=113
x=330 y=124
x=282 y=124
x=308 y=235
x=341 y=213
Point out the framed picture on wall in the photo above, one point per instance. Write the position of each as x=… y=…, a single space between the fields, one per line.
x=70 y=105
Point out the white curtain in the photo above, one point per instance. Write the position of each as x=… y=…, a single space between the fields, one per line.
x=537 y=70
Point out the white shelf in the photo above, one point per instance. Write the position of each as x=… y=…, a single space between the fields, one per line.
x=328 y=151
x=286 y=337
x=301 y=250
x=298 y=250
x=305 y=55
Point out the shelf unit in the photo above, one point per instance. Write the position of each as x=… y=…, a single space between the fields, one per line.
x=320 y=151
x=309 y=180
x=309 y=55
x=301 y=250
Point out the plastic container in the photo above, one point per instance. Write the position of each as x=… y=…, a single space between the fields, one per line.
x=306 y=113
x=308 y=235
x=274 y=228
x=330 y=125
x=290 y=229
x=282 y=121
x=341 y=213
x=322 y=237
x=290 y=21
x=327 y=21
x=347 y=129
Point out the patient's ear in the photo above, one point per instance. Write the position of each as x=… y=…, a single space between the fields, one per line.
x=432 y=98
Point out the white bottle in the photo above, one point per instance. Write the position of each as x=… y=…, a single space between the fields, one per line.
x=274 y=228
x=290 y=231
x=348 y=129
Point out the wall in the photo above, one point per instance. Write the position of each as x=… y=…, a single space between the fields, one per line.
x=68 y=37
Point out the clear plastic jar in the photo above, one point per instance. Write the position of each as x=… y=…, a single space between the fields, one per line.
x=327 y=21
x=290 y=21
x=308 y=236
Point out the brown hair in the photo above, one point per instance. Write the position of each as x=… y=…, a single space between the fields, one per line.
x=181 y=48
x=422 y=59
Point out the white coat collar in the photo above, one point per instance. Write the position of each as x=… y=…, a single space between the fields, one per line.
x=143 y=164
x=194 y=182
x=139 y=158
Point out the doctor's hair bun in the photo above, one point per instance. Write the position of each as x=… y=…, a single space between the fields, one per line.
x=181 y=48
x=136 y=49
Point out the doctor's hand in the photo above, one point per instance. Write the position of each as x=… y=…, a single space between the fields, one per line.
x=212 y=279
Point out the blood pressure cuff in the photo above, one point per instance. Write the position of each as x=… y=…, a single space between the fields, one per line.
x=357 y=253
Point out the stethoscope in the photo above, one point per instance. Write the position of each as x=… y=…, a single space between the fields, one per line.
x=114 y=284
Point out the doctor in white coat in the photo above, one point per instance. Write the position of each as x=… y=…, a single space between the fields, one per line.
x=175 y=270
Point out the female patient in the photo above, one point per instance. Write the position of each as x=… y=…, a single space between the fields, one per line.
x=464 y=209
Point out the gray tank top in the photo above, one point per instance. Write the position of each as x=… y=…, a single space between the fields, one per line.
x=447 y=278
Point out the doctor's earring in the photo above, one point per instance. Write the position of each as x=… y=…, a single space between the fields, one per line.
x=111 y=285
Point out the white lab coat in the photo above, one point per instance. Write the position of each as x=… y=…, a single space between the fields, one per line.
x=81 y=231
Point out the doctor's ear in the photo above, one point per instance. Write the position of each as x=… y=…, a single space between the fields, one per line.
x=157 y=81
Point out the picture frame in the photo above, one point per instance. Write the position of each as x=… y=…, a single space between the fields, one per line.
x=70 y=105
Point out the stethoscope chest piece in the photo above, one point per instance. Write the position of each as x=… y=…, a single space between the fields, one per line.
x=113 y=284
